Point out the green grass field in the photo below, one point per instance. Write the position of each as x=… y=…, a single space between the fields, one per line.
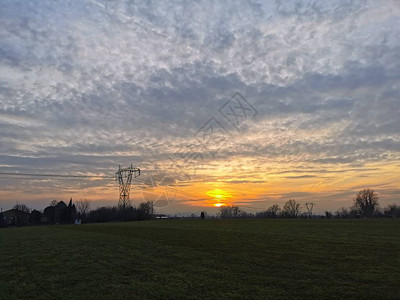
x=203 y=259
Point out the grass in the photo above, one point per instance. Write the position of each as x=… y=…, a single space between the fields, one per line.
x=169 y=259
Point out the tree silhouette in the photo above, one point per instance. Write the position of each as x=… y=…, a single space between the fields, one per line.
x=35 y=217
x=229 y=212
x=366 y=203
x=82 y=207
x=273 y=211
x=146 y=210
x=22 y=207
x=291 y=209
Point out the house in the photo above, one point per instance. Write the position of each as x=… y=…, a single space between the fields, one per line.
x=15 y=217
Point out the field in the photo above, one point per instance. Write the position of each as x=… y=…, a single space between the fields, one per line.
x=203 y=259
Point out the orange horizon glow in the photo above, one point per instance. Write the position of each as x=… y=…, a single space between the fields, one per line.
x=218 y=196
x=329 y=191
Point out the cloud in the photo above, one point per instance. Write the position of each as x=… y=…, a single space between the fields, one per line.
x=301 y=176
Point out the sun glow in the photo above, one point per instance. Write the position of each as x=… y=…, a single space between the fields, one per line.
x=218 y=196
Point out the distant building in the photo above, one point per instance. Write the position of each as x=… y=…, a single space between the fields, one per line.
x=15 y=217
x=161 y=216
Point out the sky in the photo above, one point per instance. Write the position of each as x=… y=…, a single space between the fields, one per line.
x=247 y=103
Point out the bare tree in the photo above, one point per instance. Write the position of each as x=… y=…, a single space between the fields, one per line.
x=225 y=212
x=366 y=202
x=342 y=212
x=82 y=207
x=235 y=211
x=229 y=212
x=273 y=211
x=146 y=210
x=291 y=208
x=22 y=207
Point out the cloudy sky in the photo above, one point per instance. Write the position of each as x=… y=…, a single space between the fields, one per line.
x=237 y=102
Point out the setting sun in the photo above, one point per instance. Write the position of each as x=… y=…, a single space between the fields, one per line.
x=218 y=195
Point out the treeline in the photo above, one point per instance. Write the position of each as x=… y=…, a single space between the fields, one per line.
x=365 y=205
x=291 y=209
x=145 y=211
x=58 y=212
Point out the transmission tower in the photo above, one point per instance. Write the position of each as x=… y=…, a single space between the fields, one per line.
x=124 y=177
x=310 y=206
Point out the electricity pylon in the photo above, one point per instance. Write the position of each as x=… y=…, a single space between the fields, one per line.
x=125 y=185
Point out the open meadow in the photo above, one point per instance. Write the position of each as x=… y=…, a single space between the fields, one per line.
x=254 y=258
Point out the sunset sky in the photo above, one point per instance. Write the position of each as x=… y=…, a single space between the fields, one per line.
x=249 y=103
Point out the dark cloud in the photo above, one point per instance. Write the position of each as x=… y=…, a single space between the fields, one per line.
x=302 y=176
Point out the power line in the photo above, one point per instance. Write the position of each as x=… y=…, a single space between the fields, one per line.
x=55 y=175
x=35 y=178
